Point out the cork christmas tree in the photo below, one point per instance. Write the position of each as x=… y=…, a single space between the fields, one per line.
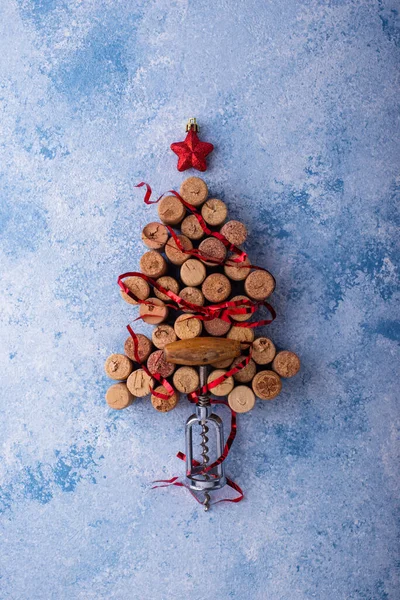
x=203 y=302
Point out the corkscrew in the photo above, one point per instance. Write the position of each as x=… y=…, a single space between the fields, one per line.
x=202 y=352
x=197 y=479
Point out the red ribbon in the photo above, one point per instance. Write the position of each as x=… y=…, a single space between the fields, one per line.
x=231 y=247
x=193 y=396
x=223 y=310
x=157 y=376
x=174 y=481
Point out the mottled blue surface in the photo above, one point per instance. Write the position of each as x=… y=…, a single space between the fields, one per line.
x=302 y=103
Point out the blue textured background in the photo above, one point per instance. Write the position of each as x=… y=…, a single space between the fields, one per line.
x=302 y=103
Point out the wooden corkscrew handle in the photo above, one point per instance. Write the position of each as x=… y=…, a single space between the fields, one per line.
x=202 y=351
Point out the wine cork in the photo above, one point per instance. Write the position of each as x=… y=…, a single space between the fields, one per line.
x=266 y=385
x=118 y=396
x=192 y=228
x=259 y=285
x=237 y=271
x=241 y=399
x=263 y=351
x=286 y=363
x=157 y=364
x=212 y=248
x=137 y=286
x=161 y=404
x=222 y=364
x=171 y=210
x=186 y=380
x=163 y=335
x=187 y=327
x=155 y=235
x=153 y=313
x=216 y=287
x=170 y=284
x=194 y=191
x=140 y=383
x=245 y=316
x=214 y=212
x=216 y=327
x=153 y=264
x=192 y=295
x=235 y=232
x=144 y=348
x=118 y=366
x=193 y=272
x=245 y=374
x=242 y=334
x=224 y=388
x=174 y=254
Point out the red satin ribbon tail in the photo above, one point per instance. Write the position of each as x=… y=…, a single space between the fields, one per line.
x=237 y=489
x=167 y=481
x=229 y=482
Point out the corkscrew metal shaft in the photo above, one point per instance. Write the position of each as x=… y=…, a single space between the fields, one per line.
x=197 y=480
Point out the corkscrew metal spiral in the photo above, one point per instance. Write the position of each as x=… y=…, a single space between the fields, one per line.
x=202 y=352
x=197 y=479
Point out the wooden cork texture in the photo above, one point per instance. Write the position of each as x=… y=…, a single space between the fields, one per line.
x=222 y=364
x=192 y=228
x=153 y=264
x=239 y=271
x=174 y=254
x=193 y=272
x=242 y=334
x=155 y=235
x=144 y=347
x=235 y=232
x=202 y=351
x=244 y=316
x=247 y=373
x=224 y=388
x=154 y=311
x=263 y=351
x=170 y=284
x=187 y=327
x=213 y=249
x=192 y=295
x=156 y=363
x=266 y=385
x=140 y=383
x=216 y=288
x=186 y=380
x=286 y=364
x=161 y=404
x=216 y=327
x=118 y=366
x=194 y=191
x=137 y=286
x=118 y=396
x=242 y=399
x=259 y=285
x=171 y=210
x=214 y=212
x=163 y=335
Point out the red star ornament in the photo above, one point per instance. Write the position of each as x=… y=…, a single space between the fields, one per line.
x=192 y=152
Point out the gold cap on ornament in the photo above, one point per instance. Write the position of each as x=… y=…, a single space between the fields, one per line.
x=192 y=123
